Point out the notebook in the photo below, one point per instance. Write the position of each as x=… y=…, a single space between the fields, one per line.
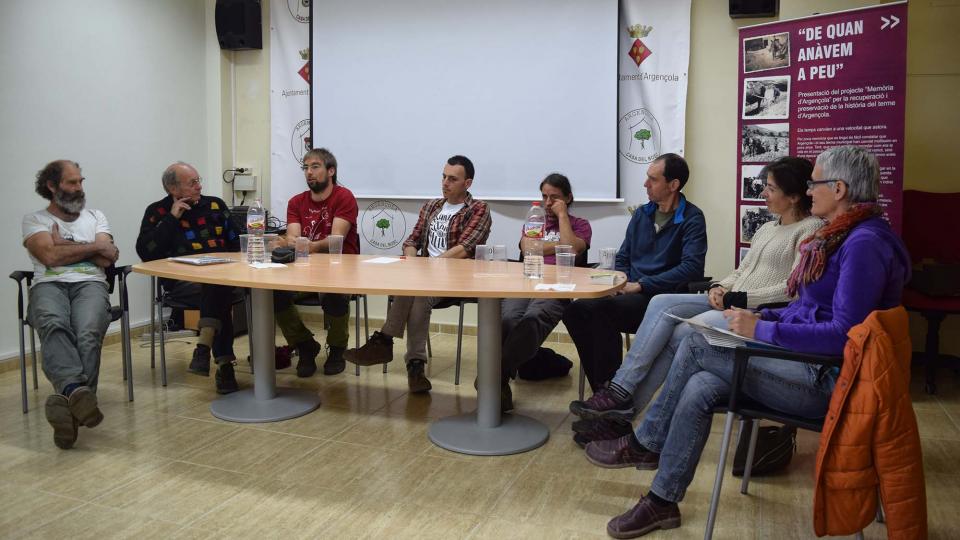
x=201 y=260
x=718 y=337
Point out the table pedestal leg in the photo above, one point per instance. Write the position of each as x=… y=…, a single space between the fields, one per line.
x=264 y=402
x=486 y=432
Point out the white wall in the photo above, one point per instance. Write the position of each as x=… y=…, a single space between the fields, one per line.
x=124 y=87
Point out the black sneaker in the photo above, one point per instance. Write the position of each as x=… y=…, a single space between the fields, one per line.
x=307 y=351
x=226 y=380
x=200 y=364
x=335 y=362
x=506 y=395
x=416 y=377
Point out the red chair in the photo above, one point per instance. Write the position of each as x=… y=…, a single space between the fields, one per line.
x=934 y=291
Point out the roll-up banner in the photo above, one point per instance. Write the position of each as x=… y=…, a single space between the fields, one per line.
x=812 y=83
x=289 y=100
x=654 y=57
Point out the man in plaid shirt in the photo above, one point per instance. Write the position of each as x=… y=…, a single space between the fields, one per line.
x=451 y=226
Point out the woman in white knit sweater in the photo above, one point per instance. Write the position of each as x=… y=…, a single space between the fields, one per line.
x=760 y=279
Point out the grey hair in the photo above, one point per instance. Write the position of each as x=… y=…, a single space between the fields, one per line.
x=857 y=167
x=169 y=178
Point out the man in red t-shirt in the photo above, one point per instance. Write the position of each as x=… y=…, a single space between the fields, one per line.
x=326 y=208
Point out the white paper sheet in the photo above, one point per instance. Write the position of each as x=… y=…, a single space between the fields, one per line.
x=559 y=287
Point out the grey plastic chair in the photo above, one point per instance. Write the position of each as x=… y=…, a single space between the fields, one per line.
x=121 y=312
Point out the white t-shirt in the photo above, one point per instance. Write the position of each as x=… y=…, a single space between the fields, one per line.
x=82 y=230
x=437 y=239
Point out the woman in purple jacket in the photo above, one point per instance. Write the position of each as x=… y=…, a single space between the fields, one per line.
x=852 y=266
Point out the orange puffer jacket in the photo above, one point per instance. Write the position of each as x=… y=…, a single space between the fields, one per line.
x=870 y=436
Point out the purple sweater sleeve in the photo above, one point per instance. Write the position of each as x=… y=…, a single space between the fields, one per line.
x=866 y=264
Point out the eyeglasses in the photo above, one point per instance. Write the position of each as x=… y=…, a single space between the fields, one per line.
x=313 y=167
x=194 y=182
x=812 y=183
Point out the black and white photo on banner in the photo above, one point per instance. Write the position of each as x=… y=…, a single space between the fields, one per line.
x=771 y=51
x=763 y=143
x=751 y=219
x=766 y=97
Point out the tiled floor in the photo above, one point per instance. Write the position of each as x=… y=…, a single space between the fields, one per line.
x=362 y=466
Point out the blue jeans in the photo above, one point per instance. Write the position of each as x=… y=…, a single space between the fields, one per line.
x=678 y=423
x=646 y=364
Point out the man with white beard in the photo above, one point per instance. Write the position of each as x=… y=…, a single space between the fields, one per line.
x=69 y=305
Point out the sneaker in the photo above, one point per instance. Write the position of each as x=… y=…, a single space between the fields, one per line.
x=307 y=351
x=226 y=379
x=416 y=378
x=618 y=453
x=378 y=350
x=64 y=424
x=335 y=362
x=645 y=517
x=200 y=364
x=601 y=429
x=83 y=406
x=603 y=404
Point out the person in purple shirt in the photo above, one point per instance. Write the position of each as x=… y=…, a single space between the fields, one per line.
x=528 y=321
x=852 y=266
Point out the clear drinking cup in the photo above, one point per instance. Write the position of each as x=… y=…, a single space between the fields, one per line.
x=335 y=248
x=565 y=267
x=483 y=255
x=499 y=259
x=608 y=258
x=303 y=250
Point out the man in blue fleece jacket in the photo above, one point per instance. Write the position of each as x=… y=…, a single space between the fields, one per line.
x=664 y=248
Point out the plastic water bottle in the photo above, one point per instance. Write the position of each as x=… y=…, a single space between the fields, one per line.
x=256 y=225
x=533 y=234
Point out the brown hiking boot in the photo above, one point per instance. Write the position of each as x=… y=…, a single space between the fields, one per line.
x=416 y=377
x=83 y=406
x=618 y=453
x=645 y=517
x=377 y=350
x=64 y=424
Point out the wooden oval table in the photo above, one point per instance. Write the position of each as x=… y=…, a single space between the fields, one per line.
x=483 y=432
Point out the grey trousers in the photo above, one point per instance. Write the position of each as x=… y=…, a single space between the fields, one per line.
x=526 y=324
x=72 y=319
x=413 y=314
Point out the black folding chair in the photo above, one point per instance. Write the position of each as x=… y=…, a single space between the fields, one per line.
x=751 y=412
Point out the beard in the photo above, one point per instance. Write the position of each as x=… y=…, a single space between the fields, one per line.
x=318 y=187
x=71 y=203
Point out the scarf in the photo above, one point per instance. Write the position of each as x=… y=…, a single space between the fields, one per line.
x=817 y=248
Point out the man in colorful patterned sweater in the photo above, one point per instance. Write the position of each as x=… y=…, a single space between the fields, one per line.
x=186 y=222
